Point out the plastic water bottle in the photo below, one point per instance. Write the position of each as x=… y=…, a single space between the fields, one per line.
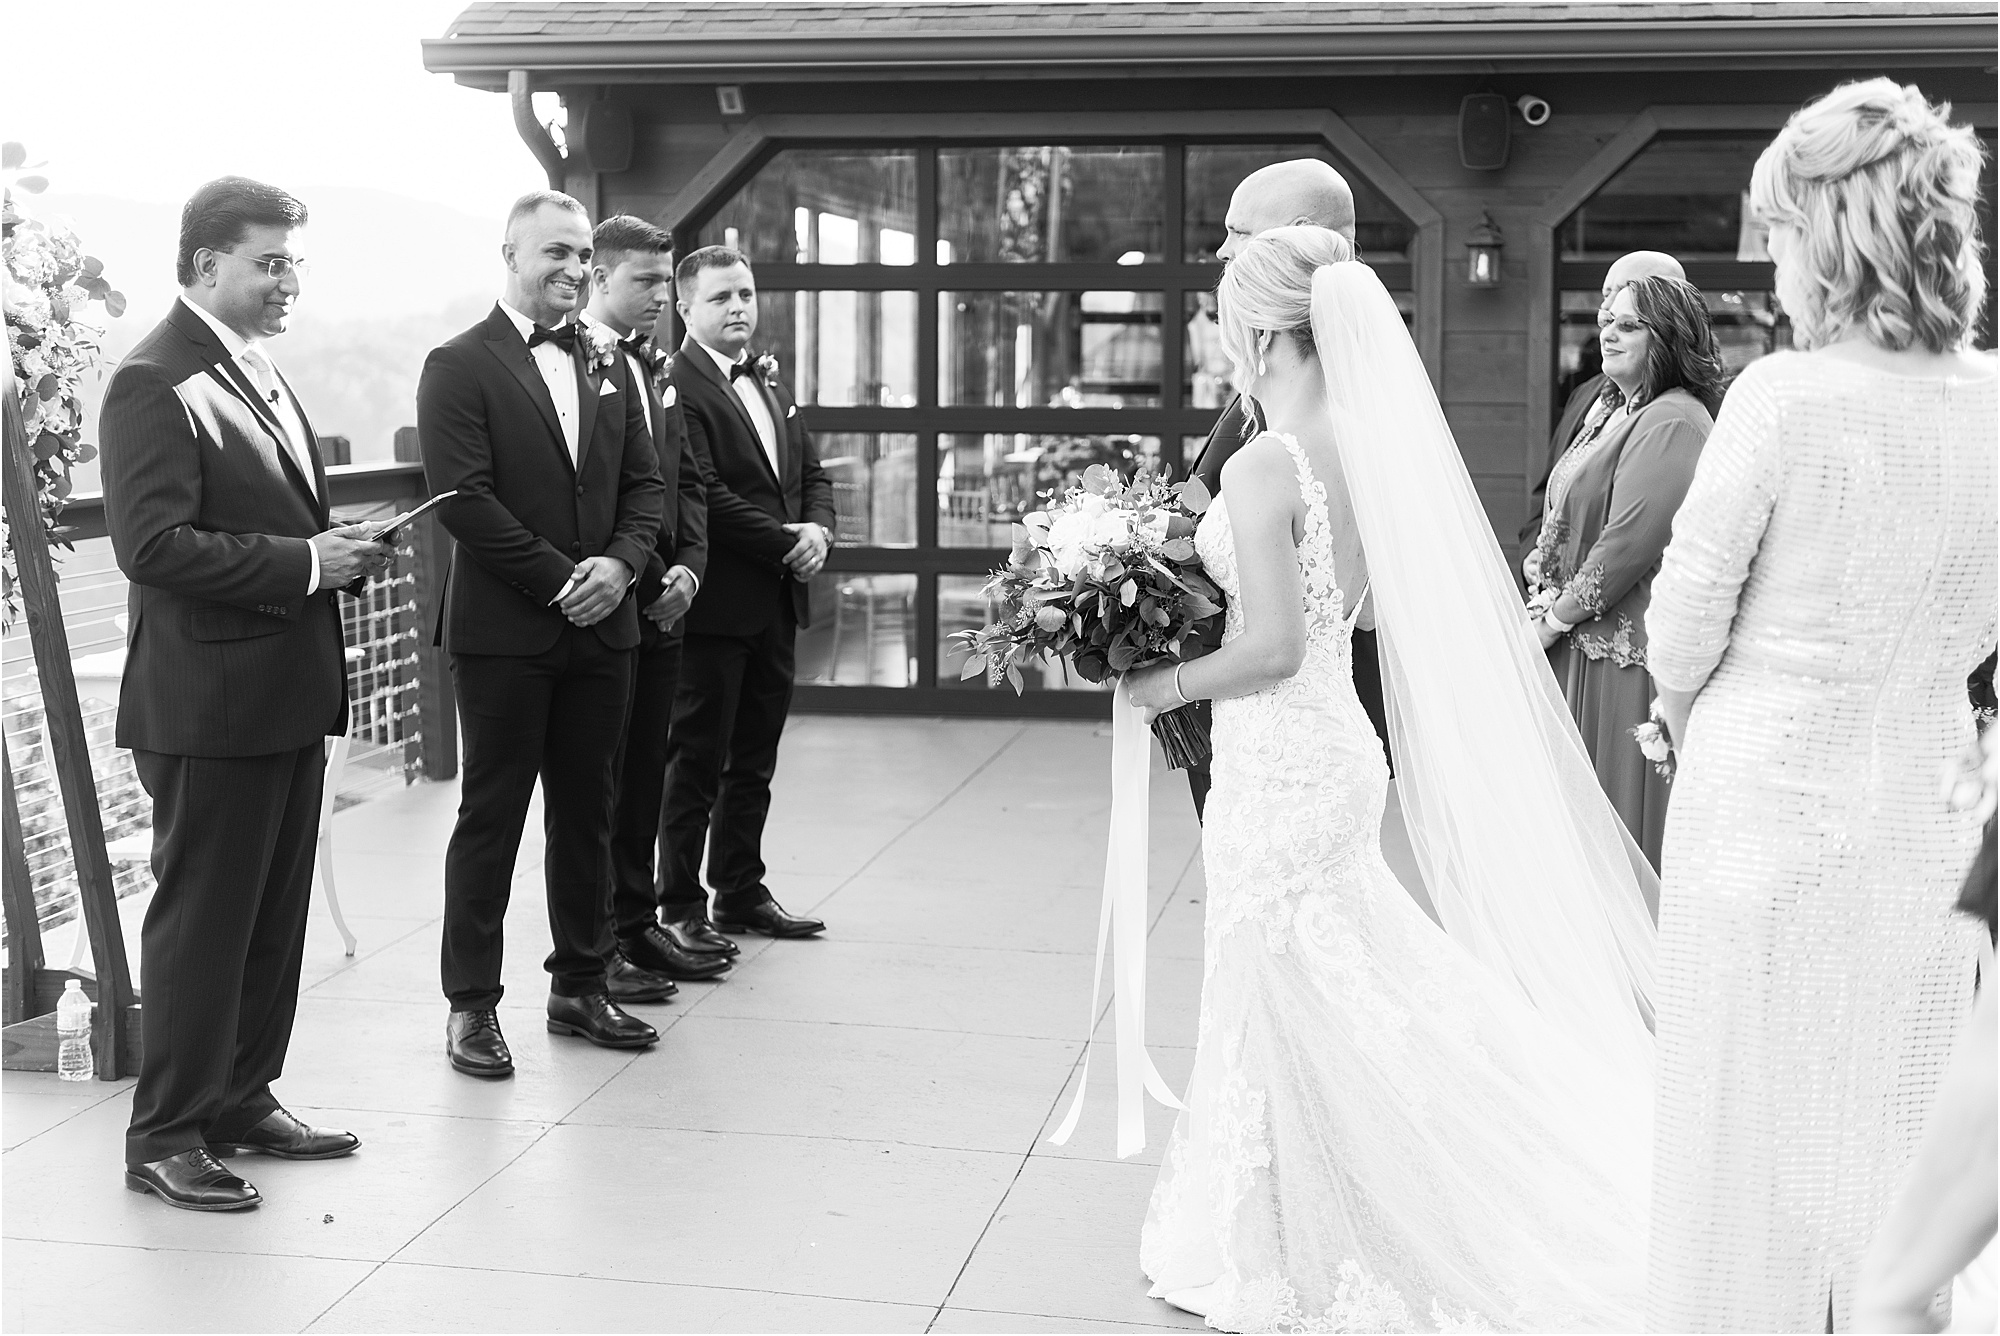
x=73 y=1058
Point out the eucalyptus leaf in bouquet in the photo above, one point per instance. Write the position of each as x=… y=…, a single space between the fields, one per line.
x=1106 y=579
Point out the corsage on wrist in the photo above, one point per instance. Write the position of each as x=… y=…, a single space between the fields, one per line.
x=1655 y=744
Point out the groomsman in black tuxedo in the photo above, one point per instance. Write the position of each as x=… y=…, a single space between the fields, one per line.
x=631 y=281
x=1301 y=190
x=543 y=433
x=770 y=524
x=215 y=497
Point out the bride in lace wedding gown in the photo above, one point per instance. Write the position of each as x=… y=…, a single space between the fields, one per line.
x=1389 y=1127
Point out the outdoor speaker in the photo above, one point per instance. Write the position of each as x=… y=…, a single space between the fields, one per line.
x=602 y=133
x=1482 y=131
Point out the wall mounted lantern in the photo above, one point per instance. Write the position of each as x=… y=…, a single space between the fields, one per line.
x=1482 y=254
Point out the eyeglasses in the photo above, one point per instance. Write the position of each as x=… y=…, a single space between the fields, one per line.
x=277 y=266
x=1626 y=325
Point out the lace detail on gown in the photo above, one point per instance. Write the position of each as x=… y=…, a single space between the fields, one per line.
x=1378 y=1136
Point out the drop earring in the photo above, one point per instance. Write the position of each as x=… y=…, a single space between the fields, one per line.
x=1262 y=370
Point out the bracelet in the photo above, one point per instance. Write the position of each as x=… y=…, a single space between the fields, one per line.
x=1557 y=624
x=1177 y=684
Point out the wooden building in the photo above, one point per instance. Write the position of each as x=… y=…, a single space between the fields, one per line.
x=984 y=232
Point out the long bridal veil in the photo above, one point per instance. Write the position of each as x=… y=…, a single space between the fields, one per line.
x=1527 y=863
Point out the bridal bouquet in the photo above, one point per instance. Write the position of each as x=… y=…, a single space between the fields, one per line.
x=1107 y=579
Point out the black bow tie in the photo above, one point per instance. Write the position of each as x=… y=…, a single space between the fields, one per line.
x=743 y=368
x=635 y=344
x=563 y=336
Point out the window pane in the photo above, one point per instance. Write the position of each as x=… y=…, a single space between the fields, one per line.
x=987 y=482
x=1682 y=194
x=1214 y=171
x=842 y=349
x=1023 y=205
x=1207 y=380
x=824 y=206
x=863 y=632
x=963 y=606
x=874 y=486
x=1748 y=325
x=1049 y=349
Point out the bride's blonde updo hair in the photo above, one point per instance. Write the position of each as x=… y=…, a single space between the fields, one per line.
x=1268 y=286
x=1880 y=189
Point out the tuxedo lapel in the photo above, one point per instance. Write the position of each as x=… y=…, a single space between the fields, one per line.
x=706 y=364
x=586 y=396
x=511 y=350
x=781 y=428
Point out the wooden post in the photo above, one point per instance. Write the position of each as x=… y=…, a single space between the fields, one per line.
x=24 y=930
x=437 y=704
x=63 y=717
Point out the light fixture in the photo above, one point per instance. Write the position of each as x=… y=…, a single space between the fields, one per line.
x=1482 y=254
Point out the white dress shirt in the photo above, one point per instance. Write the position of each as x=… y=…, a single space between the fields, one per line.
x=292 y=440
x=558 y=373
x=753 y=403
x=640 y=378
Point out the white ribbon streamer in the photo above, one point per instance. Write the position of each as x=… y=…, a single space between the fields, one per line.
x=1122 y=923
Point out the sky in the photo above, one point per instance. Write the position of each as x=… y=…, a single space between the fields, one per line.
x=146 y=99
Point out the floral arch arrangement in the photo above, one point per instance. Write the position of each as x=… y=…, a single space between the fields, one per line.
x=49 y=284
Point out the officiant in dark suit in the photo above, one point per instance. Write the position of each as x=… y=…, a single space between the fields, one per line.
x=1301 y=190
x=631 y=281
x=540 y=429
x=770 y=525
x=215 y=498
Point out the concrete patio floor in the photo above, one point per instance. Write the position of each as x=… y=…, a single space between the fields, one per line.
x=846 y=1134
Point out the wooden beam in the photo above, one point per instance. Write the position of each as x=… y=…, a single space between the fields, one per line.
x=24 y=929
x=69 y=748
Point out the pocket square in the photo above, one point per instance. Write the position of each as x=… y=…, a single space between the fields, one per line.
x=792 y=412
x=669 y=396
x=605 y=387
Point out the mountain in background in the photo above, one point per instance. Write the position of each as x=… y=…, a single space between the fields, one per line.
x=392 y=277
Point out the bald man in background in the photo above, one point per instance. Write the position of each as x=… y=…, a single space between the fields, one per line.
x=1587 y=399
x=1301 y=190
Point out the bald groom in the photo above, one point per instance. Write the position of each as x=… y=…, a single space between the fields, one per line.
x=1301 y=190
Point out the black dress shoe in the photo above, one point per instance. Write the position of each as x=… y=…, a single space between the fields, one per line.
x=768 y=918
x=595 y=1017
x=657 y=953
x=629 y=983
x=194 y=1180
x=284 y=1136
x=473 y=1042
x=695 y=933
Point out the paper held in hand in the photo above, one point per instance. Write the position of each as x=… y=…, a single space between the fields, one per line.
x=389 y=530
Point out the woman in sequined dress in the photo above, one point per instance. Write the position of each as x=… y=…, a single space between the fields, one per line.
x=1611 y=502
x=1830 y=582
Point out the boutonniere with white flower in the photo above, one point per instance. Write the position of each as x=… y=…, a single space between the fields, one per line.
x=767 y=369
x=601 y=346
x=1655 y=745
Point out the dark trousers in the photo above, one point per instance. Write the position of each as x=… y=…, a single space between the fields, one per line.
x=642 y=787
x=233 y=841
x=722 y=749
x=1367 y=685
x=557 y=716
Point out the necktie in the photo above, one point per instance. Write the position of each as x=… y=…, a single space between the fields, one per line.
x=267 y=382
x=563 y=336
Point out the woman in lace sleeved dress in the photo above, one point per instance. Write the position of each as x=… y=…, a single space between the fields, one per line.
x=1611 y=500
x=1830 y=582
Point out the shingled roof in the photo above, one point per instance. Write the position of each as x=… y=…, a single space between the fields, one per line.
x=716 y=40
